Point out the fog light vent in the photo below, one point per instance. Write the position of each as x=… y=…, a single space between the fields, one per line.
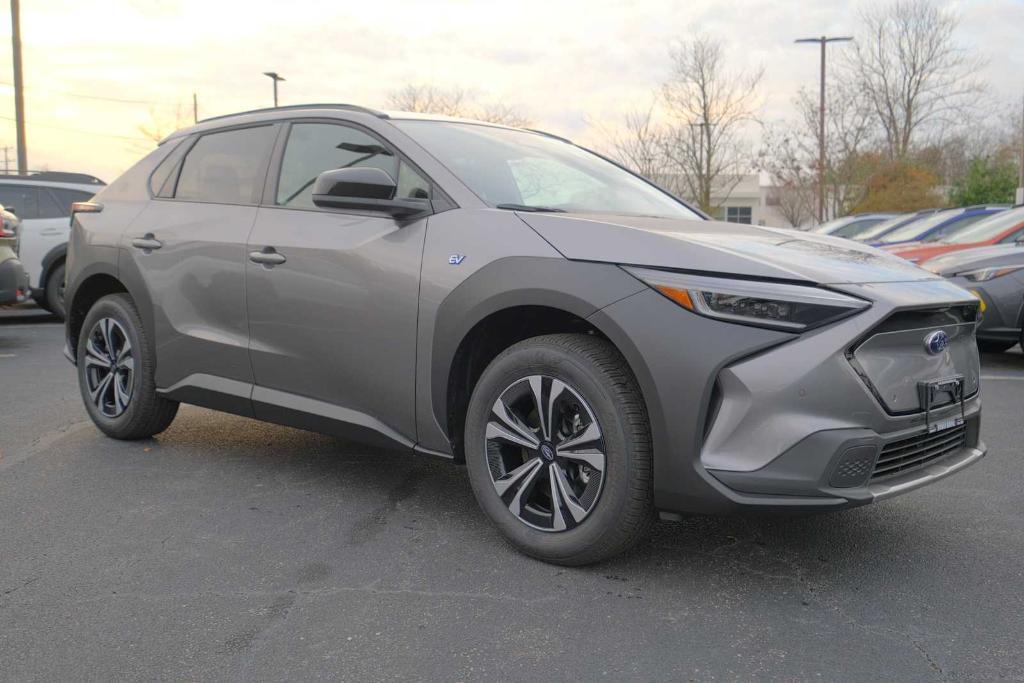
x=854 y=467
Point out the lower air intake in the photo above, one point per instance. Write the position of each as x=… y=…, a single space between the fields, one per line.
x=918 y=451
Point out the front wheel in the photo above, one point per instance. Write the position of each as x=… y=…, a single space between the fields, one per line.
x=558 y=449
x=54 y=292
x=115 y=372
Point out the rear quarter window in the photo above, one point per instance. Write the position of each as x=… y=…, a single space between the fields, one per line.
x=226 y=167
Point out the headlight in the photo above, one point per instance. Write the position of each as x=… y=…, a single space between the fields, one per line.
x=986 y=274
x=793 y=308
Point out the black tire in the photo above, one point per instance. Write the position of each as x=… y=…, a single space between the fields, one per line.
x=146 y=413
x=994 y=346
x=54 y=293
x=595 y=372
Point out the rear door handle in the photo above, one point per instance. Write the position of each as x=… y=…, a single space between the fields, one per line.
x=147 y=242
x=267 y=257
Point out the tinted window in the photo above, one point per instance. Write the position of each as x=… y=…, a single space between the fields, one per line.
x=226 y=167
x=855 y=227
x=1013 y=237
x=68 y=197
x=953 y=227
x=317 y=147
x=20 y=199
x=161 y=184
x=48 y=206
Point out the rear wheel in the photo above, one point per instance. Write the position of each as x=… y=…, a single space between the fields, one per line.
x=115 y=372
x=994 y=346
x=558 y=449
x=54 y=293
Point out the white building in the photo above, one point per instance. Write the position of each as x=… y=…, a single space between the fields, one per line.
x=750 y=200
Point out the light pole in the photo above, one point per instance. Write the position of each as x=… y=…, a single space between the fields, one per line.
x=274 y=77
x=823 y=41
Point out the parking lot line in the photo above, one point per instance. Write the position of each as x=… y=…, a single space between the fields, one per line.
x=1019 y=378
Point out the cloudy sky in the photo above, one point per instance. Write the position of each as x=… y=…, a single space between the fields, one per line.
x=572 y=66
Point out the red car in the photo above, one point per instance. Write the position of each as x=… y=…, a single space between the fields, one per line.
x=1001 y=228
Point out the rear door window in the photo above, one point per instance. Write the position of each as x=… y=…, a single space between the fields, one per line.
x=21 y=200
x=65 y=198
x=226 y=167
x=48 y=206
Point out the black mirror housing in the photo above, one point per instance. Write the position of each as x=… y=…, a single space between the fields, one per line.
x=365 y=188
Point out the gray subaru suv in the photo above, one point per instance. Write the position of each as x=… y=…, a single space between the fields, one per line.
x=593 y=350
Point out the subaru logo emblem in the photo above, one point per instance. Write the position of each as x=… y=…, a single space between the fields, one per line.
x=936 y=342
x=547 y=452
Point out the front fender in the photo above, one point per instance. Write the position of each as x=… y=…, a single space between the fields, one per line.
x=576 y=287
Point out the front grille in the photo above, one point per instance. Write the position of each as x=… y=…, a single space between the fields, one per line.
x=917 y=451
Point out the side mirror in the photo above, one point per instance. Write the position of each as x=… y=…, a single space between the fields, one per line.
x=365 y=188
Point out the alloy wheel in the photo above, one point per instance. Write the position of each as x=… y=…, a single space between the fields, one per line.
x=109 y=367
x=545 y=453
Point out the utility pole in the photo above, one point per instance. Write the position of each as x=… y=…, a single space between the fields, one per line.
x=195 y=109
x=274 y=77
x=1020 y=177
x=7 y=160
x=19 y=87
x=823 y=41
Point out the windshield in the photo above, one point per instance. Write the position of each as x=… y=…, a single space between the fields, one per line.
x=517 y=169
x=914 y=230
x=885 y=226
x=990 y=228
x=827 y=227
x=856 y=227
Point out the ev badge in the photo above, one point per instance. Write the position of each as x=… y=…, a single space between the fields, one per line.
x=936 y=342
x=456 y=259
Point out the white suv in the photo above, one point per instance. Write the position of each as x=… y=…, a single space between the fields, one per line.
x=43 y=203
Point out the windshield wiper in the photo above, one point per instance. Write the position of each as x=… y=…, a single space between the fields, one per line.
x=526 y=207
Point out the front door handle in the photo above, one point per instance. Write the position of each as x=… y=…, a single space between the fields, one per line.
x=268 y=257
x=147 y=242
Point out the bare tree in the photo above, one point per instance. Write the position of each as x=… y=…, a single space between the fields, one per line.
x=639 y=145
x=505 y=114
x=908 y=67
x=786 y=159
x=454 y=101
x=852 y=133
x=708 y=107
x=161 y=124
x=429 y=99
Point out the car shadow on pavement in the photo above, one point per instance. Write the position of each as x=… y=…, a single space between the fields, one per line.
x=388 y=493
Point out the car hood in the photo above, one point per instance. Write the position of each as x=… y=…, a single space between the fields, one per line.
x=981 y=257
x=720 y=248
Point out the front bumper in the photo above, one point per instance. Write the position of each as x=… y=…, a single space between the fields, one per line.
x=13 y=282
x=747 y=418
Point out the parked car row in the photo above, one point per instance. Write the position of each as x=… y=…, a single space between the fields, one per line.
x=980 y=248
x=42 y=203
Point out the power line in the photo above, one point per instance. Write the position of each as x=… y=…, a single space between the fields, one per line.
x=89 y=97
x=84 y=132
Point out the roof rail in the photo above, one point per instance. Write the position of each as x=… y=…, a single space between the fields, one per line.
x=291 y=107
x=55 y=177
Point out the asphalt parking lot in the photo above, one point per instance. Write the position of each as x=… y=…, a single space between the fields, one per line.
x=231 y=549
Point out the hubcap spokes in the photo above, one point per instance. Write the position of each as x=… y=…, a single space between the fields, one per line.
x=109 y=367
x=545 y=453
